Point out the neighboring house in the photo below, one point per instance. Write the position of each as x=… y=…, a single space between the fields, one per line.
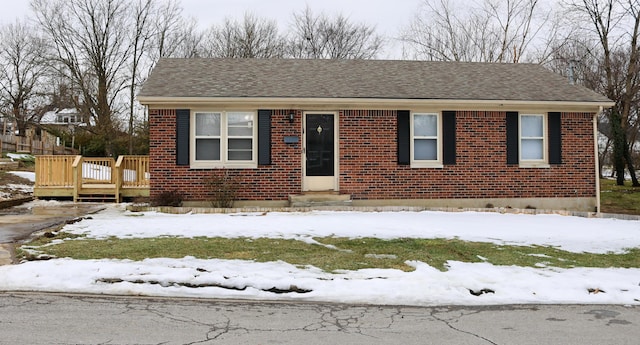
x=378 y=132
x=66 y=118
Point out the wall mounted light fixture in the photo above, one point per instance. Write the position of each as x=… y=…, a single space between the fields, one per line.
x=291 y=116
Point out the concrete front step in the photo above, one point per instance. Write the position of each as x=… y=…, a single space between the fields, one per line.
x=319 y=199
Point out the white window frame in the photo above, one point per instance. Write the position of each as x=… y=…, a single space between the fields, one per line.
x=534 y=163
x=422 y=163
x=224 y=136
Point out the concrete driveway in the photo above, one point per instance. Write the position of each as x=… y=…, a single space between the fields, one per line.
x=19 y=222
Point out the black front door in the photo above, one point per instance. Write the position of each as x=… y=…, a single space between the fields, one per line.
x=319 y=130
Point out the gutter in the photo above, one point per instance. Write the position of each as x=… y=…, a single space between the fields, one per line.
x=597 y=157
x=369 y=103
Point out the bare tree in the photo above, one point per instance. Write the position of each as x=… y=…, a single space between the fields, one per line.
x=22 y=70
x=615 y=26
x=486 y=31
x=91 y=42
x=141 y=36
x=167 y=36
x=579 y=59
x=173 y=34
x=252 y=38
x=323 y=37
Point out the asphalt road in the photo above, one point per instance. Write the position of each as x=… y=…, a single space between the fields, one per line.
x=27 y=318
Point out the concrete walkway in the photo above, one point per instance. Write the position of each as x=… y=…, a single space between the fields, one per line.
x=18 y=223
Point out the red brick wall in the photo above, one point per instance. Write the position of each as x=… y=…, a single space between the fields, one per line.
x=368 y=168
x=368 y=161
x=268 y=182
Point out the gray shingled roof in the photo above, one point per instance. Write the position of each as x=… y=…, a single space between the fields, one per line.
x=382 y=79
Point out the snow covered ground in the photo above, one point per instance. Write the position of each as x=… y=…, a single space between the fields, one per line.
x=10 y=190
x=281 y=281
x=28 y=175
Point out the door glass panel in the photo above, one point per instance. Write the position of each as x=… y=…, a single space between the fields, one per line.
x=319 y=146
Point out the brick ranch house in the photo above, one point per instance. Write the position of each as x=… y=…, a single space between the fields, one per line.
x=408 y=133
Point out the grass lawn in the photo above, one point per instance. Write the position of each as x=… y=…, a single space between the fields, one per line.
x=619 y=199
x=330 y=253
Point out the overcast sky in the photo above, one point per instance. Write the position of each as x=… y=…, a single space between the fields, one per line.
x=388 y=16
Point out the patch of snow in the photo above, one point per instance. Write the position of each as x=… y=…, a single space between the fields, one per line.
x=20 y=188
x=31 y=176
x=20 y=156
x=539 y=255
x=190 y=277
x=380 y=256
x=573 y=234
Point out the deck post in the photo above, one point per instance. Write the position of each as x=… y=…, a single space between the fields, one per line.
x=117 y=170
x=77 y=177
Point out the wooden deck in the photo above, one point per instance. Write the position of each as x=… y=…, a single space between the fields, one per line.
x=92 y=179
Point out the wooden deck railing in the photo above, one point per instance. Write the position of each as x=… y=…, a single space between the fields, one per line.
x=54 y=171
x=82 y=177
x=134 y=171
x=95 y=170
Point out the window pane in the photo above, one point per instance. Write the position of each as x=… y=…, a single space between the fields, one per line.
x=240 y=149
x=239 y=155
x=425 y=125
x=425 y=149
x=240 y=124
x=531 y=149
x=531 y=126
x=208 y=149
x=208 y=124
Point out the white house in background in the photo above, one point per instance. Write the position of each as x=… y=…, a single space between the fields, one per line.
x=63 y=117
x=64 y=120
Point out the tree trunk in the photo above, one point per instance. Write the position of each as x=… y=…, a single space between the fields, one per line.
x=618 y=146
x=632 y=171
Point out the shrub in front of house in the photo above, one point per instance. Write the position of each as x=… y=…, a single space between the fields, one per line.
x=171 y=198
x=223 y=187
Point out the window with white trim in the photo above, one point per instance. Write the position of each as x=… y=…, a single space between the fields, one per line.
x=426 y=140
x=532 y=138
x=223 y=139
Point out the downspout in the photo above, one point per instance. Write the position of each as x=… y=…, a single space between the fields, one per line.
x=597 y=157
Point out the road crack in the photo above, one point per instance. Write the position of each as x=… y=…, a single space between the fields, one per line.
x=448 y=323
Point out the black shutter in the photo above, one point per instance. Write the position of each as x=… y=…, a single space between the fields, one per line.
x=513 y=156
x=264 y=137
x=555 y=138
x=449 y=137
x=404 y=137
x=182 y=136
